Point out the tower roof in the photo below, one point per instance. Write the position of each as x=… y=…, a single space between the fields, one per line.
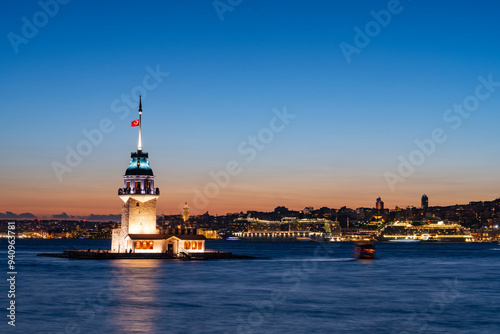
x=139 y=165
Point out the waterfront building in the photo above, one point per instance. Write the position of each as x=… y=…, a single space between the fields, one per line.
x=138 y=232
x=209 y=234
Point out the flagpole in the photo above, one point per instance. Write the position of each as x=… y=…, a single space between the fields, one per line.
x=139 y=145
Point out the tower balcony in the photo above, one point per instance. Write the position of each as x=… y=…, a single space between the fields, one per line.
x=133 y=191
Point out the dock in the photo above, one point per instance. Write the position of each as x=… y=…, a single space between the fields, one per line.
x=107 y=255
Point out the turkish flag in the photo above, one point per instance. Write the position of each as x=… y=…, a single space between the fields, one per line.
x=135 y=123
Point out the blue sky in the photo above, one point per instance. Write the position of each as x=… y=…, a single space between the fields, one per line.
x=353 y=120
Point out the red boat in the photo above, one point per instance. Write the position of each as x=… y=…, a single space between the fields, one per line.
x=364 y=251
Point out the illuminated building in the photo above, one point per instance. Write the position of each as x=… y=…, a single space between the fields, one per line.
x=378 y=216
x=185 y=212
x=209 y=234
x=138 y=232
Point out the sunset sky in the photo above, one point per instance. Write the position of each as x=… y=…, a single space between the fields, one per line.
x=353 y=115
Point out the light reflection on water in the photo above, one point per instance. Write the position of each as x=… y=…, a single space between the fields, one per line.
x=432 y=288
x=135 y=292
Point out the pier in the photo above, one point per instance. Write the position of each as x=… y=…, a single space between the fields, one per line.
x=107 y=255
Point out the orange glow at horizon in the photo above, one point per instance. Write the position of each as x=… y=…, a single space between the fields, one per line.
x=238 y=198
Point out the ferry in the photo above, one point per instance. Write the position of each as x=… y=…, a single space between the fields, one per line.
x=364 y=250
x=438 y=232
x=405 y=240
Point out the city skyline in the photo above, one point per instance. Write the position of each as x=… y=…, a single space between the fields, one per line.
x=300 y=105
x=116 y=216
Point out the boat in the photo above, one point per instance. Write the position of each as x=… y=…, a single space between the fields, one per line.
x=405 y=240
x=431 y=232
x=364 y=250
x=303 y=239
x=233 y=239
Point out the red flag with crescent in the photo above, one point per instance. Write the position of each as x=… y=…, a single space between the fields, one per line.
x=135 y=123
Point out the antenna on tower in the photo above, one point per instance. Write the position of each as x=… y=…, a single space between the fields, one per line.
x=139 y=144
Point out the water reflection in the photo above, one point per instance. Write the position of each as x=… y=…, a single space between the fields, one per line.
x=413 y=287
x=136 y=292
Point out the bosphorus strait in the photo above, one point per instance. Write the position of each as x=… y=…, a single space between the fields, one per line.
x=292 y=287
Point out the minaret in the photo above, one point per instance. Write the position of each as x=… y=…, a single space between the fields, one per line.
x=139 y=199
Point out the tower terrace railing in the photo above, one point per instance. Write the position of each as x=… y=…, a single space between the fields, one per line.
x=130 y=191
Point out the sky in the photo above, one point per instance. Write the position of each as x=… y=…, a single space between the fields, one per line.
x=248 y=105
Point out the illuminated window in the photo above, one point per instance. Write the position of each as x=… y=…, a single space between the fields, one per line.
x=187 y=245
x=194 y=245
x=144 y=245
x=200 y=245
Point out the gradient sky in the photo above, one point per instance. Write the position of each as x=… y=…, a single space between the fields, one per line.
x=353 y=120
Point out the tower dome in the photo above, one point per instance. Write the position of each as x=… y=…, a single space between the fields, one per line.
x=139 y=165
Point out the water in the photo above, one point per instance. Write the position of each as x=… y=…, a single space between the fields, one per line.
x=296 y=287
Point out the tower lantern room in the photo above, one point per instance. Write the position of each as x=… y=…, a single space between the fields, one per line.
x=139 y=178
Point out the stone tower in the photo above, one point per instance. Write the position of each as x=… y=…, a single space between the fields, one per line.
x=139 y=199
x=185 y=212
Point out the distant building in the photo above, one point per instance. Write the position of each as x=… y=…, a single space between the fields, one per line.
x=308 y=210
x=425 y=201
x=185 y=212
x=379 y=205
x=281 y=210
